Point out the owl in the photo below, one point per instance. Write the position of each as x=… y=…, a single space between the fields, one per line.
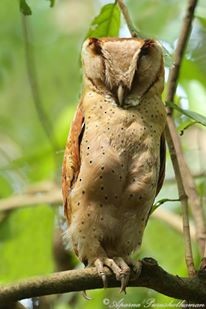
x=114 y=161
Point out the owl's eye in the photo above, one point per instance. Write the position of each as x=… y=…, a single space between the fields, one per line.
x=94 y=45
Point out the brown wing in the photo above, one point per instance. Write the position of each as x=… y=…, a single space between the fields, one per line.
x=162 y=163
x=71 y=162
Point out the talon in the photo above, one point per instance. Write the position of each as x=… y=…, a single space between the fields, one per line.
x=104 y=280
x=137 y=267
x=84 y=294
x=118 y=266
x=123 y=285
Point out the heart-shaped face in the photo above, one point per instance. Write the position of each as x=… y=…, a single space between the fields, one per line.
x=125 y=68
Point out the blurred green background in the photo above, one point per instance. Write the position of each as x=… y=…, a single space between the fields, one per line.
x=30 y=237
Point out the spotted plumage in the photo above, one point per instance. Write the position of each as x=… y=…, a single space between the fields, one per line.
x=115 y=155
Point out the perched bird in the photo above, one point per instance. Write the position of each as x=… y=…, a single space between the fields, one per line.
x=114 y=160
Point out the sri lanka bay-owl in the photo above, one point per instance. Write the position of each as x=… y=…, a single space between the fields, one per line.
x=115 y=154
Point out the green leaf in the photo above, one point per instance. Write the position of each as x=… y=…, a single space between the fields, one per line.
x=24 y=8
x=52 y=3
x=193 y=115
x=26 y=237
x=162 y=201
x=107 y=23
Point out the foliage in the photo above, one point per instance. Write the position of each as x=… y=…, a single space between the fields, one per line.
x=107 y=23
x=25 y=8
x=26 y=156
x=198 y=118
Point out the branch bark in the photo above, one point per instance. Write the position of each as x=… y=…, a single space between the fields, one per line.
x=185 y=181
x=152 y=276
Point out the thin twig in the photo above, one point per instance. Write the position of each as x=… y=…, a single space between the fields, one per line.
x=53 y=196
x=185 y=182
x=32 y=75
x=188 y=181
x=180 y=49
x=128 y=19
x=152 y=276
x=170 y=135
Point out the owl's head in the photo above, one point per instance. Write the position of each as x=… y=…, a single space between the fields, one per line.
x=126 y=68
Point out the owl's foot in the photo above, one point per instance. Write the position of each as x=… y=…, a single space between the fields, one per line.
x=136 y=266
x=118 y=266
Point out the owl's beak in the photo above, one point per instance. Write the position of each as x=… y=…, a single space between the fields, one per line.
x=120 y=93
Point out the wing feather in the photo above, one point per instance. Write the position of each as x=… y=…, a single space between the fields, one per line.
x=71 y=162
x=162 y=163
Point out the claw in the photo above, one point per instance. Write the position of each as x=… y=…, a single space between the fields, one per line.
x=84 y=294
x=118 y=266
x=137 y=267
x=104 y=280
x=100 y=268
x=123 y=285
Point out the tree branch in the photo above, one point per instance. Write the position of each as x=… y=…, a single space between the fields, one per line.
x=130 y=25
x=180 y=49
x=152 y=276
x=185 y=182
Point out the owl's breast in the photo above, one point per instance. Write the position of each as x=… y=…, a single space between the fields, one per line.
x=119 y=153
